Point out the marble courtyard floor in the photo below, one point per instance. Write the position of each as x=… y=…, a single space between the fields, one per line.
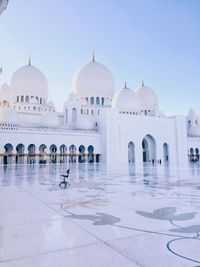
x=110 y=216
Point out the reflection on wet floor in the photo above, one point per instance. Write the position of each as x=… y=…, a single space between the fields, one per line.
x=141 y=217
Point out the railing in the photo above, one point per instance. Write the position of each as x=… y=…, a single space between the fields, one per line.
x=15 y=128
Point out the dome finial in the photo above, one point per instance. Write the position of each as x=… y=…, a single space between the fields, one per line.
x=93 y=56
x=125 y=85
x=29 y=61
x=142 y=84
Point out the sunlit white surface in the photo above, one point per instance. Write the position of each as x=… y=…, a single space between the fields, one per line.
x=110 y=216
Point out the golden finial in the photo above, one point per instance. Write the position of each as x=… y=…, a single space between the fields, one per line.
x=93 y=56
x=29 y=61
x=142 y=84
x=125 y=85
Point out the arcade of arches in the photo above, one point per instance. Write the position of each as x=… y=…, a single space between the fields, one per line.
x=148 y=151
x=53 y=154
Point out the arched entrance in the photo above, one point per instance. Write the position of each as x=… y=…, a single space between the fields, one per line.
x=131 y=152
x=196 y=154
x=149 y=149
x=31 y=154
x=42 y=154
x=90 y=154
x=53 y=154
x=165 y=152
x=81 y=156
x=63 y=154
x=20 y=154
x=7 y=158
x=72 y=154
x=191 y=155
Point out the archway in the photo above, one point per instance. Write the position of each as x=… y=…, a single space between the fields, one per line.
x=20 y=154
x=31 y=154
x=165 y=152
x=131 y=152
x=63 y=154
x=149 y=149
x=191 y=155
x=72 y=154
x=81 y=156
x=53 y=154
x=7 y=158
x=42 y=154
x=90 y=154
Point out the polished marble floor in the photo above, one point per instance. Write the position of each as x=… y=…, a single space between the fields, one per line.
x=109 y=216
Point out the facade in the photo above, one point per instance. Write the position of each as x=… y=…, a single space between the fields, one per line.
x=97 y=124
x=3 y=5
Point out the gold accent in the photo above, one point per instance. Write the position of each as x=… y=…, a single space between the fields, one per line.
x=29 y=61
x=125 y=85
x=93 y=56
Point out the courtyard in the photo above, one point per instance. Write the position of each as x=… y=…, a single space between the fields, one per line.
x=109 y=216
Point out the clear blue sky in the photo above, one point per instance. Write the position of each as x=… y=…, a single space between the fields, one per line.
x=157 y=41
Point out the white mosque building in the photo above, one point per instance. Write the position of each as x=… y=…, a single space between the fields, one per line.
x=97 y=124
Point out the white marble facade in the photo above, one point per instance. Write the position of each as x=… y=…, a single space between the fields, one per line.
x=97 y=124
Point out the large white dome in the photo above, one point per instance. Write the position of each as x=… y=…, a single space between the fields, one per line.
x=148 y=97
x=9 y=116
x=28 y=80
x=126 y=100
x=93 y=79
x=49 y=119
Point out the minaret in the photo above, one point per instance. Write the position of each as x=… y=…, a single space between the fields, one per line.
x=3 y=5
x=125 y=85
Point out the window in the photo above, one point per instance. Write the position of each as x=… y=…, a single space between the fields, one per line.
x=97 y=100
x=27 y=98
x=40 y=100
x=92 y=112
x=22 y=98
x=92 y=101
x=74 y=115
x=17 y=98
x=86 y=99
x=81 y=111
x=102 y=101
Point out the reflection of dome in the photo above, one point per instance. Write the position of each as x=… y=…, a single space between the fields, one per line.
x=147 y=96
x=9 y=115
x=194 y=130
x=93 y=79
x=126 y=100
x=30 y=81
x=84 y=123
x=49 y=119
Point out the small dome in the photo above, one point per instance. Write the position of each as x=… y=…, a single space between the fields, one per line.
x=5 y=89
x=84 y=122
x=148 y=97
x=192 y=112
x=9 y=115
x=49 y=119
x=126 y=100
x=194 y=130
x=93 y=79
x=28 y=80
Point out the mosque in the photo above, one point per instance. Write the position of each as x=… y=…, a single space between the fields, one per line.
x=97 y=124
